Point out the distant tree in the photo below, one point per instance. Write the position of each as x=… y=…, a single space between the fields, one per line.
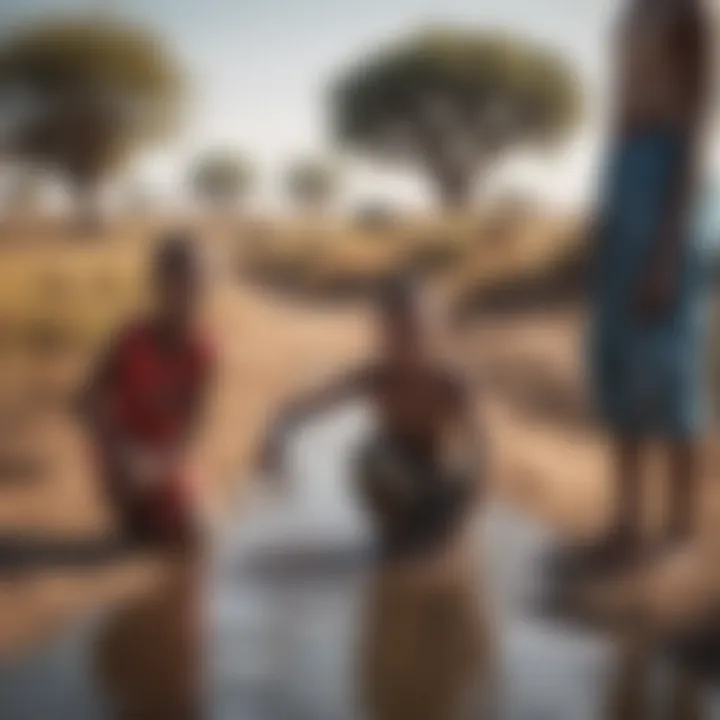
x=83 y=95
x=454 y=101
x=312 y=183
x=221 y=178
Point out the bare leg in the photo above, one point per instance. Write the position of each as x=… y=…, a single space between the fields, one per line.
x=683 y=467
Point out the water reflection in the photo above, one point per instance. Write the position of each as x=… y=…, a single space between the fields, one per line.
x=426 y=650
x=302 y=622
x=145 y=659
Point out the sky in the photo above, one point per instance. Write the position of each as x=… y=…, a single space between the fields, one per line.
x=258 y=70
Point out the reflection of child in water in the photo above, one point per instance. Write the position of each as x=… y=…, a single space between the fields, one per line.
x=427 y=650
x=418 y=476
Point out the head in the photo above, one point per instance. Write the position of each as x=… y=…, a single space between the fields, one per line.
x=407 y=323
x=177 y=277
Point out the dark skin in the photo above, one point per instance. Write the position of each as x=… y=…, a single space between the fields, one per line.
x=687 y=45
x=681 y=73
x=177 y=298
x=417 y=398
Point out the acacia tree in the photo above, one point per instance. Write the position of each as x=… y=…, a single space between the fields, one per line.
x=221 y=178
x=85 y=94
x=453 y=101
x=312 y=183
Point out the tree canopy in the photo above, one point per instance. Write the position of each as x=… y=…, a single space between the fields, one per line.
x=452 y=101
x=221 y=177
x=312 y=182
x=84 y=93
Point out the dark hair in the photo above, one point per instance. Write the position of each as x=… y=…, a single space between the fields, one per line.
x=177 y=254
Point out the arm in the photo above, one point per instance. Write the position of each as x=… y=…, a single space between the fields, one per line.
x=346 y=387
x=197 y=407
x=475 y=435
x=201 y=387
x=469 y=440
x=689 y=48
x=194 y=416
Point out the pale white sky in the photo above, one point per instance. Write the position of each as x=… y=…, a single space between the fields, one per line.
x=259 y=68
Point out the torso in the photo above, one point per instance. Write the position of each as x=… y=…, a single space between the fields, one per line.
x=416 y=409
x=156 y=384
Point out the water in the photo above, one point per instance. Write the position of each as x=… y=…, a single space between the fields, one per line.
x=301 y=624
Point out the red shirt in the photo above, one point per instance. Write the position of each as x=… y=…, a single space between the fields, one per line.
x=155 y=387
x=153 y=393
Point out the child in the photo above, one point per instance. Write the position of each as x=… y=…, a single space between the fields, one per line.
x=144 y=402
x=650 y=290
x=416 y=475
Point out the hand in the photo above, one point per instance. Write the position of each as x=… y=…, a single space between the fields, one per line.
x=656 y=293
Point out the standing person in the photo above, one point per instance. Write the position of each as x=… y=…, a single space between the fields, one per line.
x=648 y=349
x=144 y=402
x=418 y=474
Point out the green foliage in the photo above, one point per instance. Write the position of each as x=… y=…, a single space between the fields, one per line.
x=221 y=177
x=454 y=100
x=312 y=182
x=87 y=93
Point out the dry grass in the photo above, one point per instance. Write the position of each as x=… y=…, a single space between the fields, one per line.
x=61 y=295
x=65 y=296
x=468 y=253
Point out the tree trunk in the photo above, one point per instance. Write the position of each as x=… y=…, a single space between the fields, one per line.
x=88 y=219
x=454 y=186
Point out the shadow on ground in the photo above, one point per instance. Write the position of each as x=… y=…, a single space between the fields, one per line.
x=23 y=553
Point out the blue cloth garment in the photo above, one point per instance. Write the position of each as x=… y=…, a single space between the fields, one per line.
x=649 y=378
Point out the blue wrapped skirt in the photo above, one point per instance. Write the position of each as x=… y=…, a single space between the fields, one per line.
x=649 y=378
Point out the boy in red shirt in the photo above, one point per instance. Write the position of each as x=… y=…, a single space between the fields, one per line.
x=144 y=402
